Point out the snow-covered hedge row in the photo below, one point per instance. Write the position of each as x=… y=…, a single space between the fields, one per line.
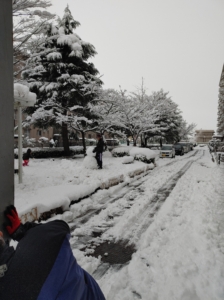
x=142 y=154
x=50 y=152
x=121 y=151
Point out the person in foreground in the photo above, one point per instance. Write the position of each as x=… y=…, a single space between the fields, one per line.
x=43 y=266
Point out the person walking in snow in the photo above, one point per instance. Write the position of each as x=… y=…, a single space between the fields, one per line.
x=43 y=266
x=26 y=157
x=99 y=151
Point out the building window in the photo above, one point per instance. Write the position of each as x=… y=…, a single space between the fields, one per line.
x=89 y=136
x=39 y=132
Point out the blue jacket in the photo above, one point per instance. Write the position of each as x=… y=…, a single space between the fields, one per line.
x=43 y=267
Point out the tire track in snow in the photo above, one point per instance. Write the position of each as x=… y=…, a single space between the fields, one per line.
x=157 y=201
x=126 y=189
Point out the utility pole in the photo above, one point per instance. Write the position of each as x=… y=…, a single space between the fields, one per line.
x=6 y=108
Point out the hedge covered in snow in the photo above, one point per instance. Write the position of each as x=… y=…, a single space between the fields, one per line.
x=121 y=151
x=51 y=152
x=142 y=154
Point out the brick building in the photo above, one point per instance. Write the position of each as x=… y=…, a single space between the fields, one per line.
x=50 y=132
x=203 y=136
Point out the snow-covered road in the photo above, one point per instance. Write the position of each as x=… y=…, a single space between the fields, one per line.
x=161 y=237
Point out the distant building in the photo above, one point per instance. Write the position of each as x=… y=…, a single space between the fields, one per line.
x=35 y=133
x=203 y=136
x=220 y=123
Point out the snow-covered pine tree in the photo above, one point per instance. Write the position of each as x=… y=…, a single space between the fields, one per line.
x=220 y=123
x=29 y=20
x=62 y=78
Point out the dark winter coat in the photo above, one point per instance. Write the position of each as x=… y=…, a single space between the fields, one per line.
x=43 y=267
x=100 y=146
x=27 y=155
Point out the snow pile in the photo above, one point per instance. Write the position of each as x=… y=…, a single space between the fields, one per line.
x=127 y=160
x=89 y=161
x=49 y=198
x=121 y=150
x=20 y=90
x=135 y=151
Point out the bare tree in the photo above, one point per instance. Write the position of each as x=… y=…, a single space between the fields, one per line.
x=29 y=21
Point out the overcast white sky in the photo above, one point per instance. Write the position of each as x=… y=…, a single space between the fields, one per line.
x=177 y=45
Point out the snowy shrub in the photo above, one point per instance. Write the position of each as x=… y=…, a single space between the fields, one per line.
x=121 y=151
x=144 y=159
x=128 y=160
x=135 y=151
x=29 y=142
x=43 y=141
x=143 y=154
x=51 y=152
x=120 y=154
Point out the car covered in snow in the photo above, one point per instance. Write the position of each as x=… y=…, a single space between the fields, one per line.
x=167 y=151
x=186 y=146
x=179 y=149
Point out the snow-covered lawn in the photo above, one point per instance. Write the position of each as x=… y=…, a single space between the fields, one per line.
x=50 y=183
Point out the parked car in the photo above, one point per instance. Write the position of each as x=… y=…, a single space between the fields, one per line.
x=112 y=143
x=179 y=149
x=191 y=146
x=167 y=151
x=186 y=146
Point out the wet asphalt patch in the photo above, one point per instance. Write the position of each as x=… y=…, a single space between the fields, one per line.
x=114 y=253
